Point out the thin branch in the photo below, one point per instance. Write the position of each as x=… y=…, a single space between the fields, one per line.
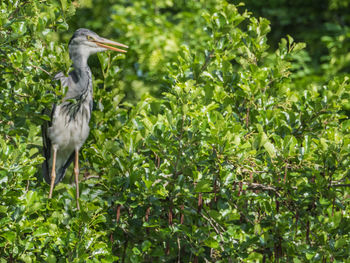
x=27 y=187
x=125 y=247
x=178 y=250
x=340 y=185
x=256 y=186
x=207 y=60
x=180 y=147
x=17 y=9
x=38 y=67
x=215 y=228
x=285 y=173
x=90 y=177
x=205 y=65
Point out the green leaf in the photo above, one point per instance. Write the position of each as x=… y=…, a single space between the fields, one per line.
x=270 y=148
x=203 y=186
x=51 y=259
x=340 y=243
x=9 y=236
x=146 y=245
x=309 y=255
x=212 y=243
x=136 y=251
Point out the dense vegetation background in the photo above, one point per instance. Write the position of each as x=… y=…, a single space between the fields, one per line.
x=216 y=138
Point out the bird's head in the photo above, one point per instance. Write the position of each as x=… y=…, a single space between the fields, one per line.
x=85 y=42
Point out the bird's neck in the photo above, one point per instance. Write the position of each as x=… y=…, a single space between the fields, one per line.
x=83 y=79
x=80 y=62
x=79 y=56
x=83 y=73
x=81 y=69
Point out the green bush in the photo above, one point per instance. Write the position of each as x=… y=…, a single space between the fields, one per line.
x=240 y=155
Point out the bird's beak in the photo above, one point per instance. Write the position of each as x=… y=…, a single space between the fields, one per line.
x=106 y=43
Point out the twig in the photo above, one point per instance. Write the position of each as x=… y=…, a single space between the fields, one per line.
x=255 y=186
x=215 y=228
x=207 y=60
x=206 y=63
x=118 y=213
x=91 y=176
x=179 y=250
x=125 y=247
x=17 y=9
x=247 y=118
x=285 y=173
x=38 y=67
x=157 y=160
x=180 y=147
x=340 y=185
x=27 y=187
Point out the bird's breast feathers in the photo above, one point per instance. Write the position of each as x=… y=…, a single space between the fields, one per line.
x=67 y=132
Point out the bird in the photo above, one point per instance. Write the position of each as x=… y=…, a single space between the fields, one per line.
x=68 y=128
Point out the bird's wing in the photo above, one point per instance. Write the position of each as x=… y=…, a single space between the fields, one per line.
x=47 y=154
x=60 y=173
x=61 y=77
x=47 y=144
x=46 y=140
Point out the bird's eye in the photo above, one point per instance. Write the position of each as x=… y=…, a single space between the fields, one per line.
x=89 y=38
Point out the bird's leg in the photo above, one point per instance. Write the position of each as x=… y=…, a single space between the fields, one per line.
x=53 y=171
x=76 y=173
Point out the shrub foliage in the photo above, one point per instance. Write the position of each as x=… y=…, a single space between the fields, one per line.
x=240 y=155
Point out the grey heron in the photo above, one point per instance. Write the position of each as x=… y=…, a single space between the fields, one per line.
x=68 y=129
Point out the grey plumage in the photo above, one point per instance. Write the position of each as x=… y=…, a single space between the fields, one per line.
x=66 y=118
x=68 y=129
